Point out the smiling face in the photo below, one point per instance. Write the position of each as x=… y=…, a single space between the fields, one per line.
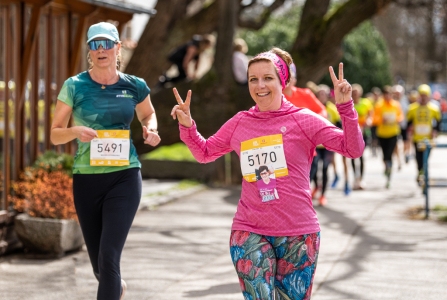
x=264 y=85
x=265 y=176
x=104 y=59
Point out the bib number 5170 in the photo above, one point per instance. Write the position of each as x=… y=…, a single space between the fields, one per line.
x=262 y=158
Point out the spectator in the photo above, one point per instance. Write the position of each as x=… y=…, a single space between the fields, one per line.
x=240 y=61
x=184 y=54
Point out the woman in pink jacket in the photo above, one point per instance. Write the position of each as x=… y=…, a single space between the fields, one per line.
x=275 y=240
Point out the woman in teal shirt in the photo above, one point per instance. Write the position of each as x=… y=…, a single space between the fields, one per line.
x=106 y=172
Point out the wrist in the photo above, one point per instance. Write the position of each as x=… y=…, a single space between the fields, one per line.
x=154 y=130
x=187 y=124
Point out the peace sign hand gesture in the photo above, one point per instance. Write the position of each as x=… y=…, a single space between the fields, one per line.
x=181 y=111
x=342 y=88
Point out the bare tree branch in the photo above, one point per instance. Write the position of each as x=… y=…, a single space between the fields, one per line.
x=259 y=22
x=412 y=4
x=247 y=5
x=318 y=44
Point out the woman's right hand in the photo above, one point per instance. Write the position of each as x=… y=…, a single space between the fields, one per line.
x=181 y=111
x=84 y=134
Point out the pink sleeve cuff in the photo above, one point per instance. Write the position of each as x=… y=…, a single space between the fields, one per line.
x=183 y=128
x=346 y=109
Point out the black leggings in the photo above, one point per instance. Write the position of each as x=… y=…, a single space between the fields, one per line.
x=420 y=157
x=388 y=145
x=327 y=157
x=353 y=162
x=106 y=205
x=181 y=74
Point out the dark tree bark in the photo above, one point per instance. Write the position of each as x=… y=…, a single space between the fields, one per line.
x=224 y=46
x=318 y=44
x=216 y=96
x=171 y=27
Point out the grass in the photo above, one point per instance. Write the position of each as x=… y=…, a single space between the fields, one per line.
x=439 y=212
x=182 y=185
x=440 y=208
x=175 y=152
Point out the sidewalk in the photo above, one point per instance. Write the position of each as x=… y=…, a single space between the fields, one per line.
x=369 y=248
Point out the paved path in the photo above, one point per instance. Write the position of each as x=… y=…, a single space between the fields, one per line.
x=369 y=249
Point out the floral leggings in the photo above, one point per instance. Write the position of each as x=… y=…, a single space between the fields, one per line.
x=264 y=263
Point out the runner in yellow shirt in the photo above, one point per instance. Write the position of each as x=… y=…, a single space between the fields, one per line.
x=387 y=115
x=364 y=110
x=324 y=155
x=421 y=116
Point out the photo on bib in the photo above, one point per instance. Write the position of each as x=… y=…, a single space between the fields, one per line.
x=266 y=182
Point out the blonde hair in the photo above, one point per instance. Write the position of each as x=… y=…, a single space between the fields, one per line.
x=90 y=62
x=240 y=45
x=284 y=55
x=357 y=87
x=324 y=88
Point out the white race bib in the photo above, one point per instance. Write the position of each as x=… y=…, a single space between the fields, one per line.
x=389 y=117
x=110 y=148
x=263 y=151
x=422 y=129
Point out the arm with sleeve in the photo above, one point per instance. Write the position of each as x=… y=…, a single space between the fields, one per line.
x=208 y=150
x=347 y=142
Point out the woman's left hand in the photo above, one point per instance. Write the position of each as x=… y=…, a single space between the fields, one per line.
x=342 y=88
x=150 y=138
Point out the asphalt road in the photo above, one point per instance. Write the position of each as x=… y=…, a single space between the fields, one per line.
x=369 y=248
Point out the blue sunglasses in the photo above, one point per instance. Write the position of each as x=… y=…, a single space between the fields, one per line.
x=106 y=44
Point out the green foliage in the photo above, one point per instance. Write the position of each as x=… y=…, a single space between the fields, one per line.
x=279 y=31
x=52 y=161
x=366 y=60
x=440 y=207
x=177 y=152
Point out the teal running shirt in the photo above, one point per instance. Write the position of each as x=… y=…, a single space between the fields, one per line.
x=102 y=109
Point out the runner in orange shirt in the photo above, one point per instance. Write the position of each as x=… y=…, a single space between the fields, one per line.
x=303 y=97
x=387 y=115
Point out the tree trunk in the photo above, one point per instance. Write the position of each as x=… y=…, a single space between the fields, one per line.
x=167 y=30
x=318 y=44
x=216 y=97
x=224 y=46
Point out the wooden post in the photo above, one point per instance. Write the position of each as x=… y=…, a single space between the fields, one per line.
x=28 y=48
x=58 y=63
x=48 y=79
x=6 y=142
x=77 y=45
x=67 y=46
x=18 y=112
x=34 y=107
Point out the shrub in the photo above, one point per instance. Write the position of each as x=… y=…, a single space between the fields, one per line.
x=52 y=161
x=45 y=190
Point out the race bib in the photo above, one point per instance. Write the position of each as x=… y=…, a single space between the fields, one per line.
x=389 y=117
x=110 y=148
x=422 y=129
x=262 y=161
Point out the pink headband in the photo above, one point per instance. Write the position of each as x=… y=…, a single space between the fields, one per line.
x=279 y=64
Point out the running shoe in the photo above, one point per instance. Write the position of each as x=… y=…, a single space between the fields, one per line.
x=421 y=178
x=387 y=185
x=347 y=189
x=123 y=289
x=334 y=183
x=314 y=192
x=322 y=200
x=357 y=185
x=407 y=158
x=388 y=177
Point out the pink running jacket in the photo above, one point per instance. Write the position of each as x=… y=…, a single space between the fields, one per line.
x=302 y=130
